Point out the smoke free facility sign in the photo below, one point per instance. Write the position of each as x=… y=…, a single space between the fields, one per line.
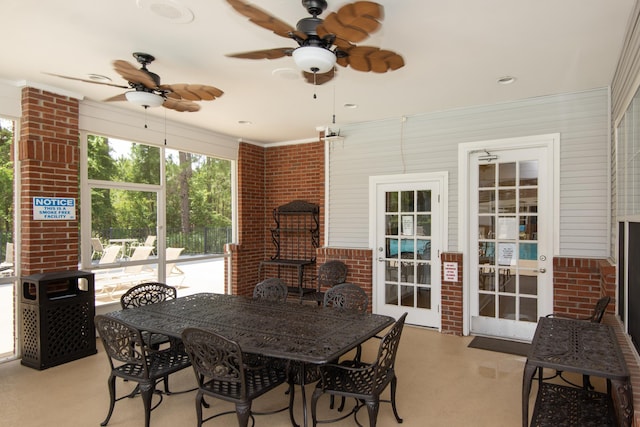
x=54 y=208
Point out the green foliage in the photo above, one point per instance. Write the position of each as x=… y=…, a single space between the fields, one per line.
x=6 y=179
x=204 y=180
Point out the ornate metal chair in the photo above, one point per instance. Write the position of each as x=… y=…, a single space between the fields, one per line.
x=272 y=289
x=145 y=294
x=131 y=360
x=347 y=296
x=220 y=370
x=363 y=381
x=596 y=317
x=330 y=274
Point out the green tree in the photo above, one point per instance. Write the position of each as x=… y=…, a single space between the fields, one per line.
x=101 y=166
x=6 y=177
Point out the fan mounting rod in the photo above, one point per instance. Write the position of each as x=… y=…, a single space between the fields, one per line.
x=143 y=58
x=314 y=7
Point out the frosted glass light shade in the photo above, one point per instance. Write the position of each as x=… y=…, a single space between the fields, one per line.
x=314 y=59
x=144 y=99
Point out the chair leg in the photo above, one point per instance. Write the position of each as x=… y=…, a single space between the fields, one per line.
x=372 y=409
x=111 y=382
x=146 y=391
x=199 y=403
x=314 y=401
x=292 y=392
x=394 y=383
x=165 y=380
x=243 y=412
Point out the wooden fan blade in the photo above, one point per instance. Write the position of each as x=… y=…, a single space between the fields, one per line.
x=120 y=97
x=262 y=18
x=370 y=58
x=264 y=54
x=353 y=22
x=319 y=78
x=131 y=74
x=88 y=81
x=192 y=92
x=181 y=105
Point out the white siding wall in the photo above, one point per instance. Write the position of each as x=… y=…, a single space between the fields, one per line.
x=429 y=143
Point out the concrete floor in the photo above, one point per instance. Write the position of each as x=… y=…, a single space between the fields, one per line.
x=441 y=382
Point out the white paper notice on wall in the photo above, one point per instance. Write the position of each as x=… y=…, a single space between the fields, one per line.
x=450 y=271
x=54 y=208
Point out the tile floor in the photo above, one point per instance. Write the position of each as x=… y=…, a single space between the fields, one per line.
x=441 y=382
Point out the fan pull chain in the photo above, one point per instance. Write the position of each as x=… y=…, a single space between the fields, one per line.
x=145 y=116
x=315 y=75
x=165 y=127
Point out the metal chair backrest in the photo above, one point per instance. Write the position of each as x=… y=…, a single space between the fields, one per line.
x=348 y=296
x=272 y=289
x=147 y=293
x=122 y=342
x=216 y=358
x=600 y=308
x=388 y=350
x=332 y=273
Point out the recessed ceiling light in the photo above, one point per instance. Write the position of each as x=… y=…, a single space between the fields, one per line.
x=99 y=78
x=506 y=80
x=350 y=105
x=171 y=10
x=244 y=122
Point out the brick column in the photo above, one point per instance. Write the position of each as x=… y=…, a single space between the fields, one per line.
x=451 y=296
x=49 y=156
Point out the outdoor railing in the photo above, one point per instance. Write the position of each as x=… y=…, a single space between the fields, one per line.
x=203 y=240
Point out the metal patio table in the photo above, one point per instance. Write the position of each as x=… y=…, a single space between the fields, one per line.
x=305 y=333
x=582 y=347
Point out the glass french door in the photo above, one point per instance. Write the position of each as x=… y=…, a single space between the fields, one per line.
x=408 y=244
x=510 y=284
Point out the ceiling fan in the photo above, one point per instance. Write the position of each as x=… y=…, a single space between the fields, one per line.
x=147 y=91
x=324 y=42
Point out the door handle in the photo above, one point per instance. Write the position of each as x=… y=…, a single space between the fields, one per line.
x=542 y=270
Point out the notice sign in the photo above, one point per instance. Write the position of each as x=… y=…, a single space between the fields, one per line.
x=51 y=208
x=450 y=271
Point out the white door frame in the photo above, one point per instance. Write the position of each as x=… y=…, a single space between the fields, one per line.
x=552 y=142
x=374 y=181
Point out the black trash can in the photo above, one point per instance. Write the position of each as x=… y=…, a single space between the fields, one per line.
x=57 y=318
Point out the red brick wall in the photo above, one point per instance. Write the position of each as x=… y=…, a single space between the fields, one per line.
x=49 y=156
x=267 y=178
x=578 y=283
x=251 y=219
x=292 y=172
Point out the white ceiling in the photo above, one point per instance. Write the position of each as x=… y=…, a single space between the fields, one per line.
x=454 y=50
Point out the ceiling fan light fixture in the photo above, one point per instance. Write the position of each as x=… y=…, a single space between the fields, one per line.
x=144 y=99
x=313 y=59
